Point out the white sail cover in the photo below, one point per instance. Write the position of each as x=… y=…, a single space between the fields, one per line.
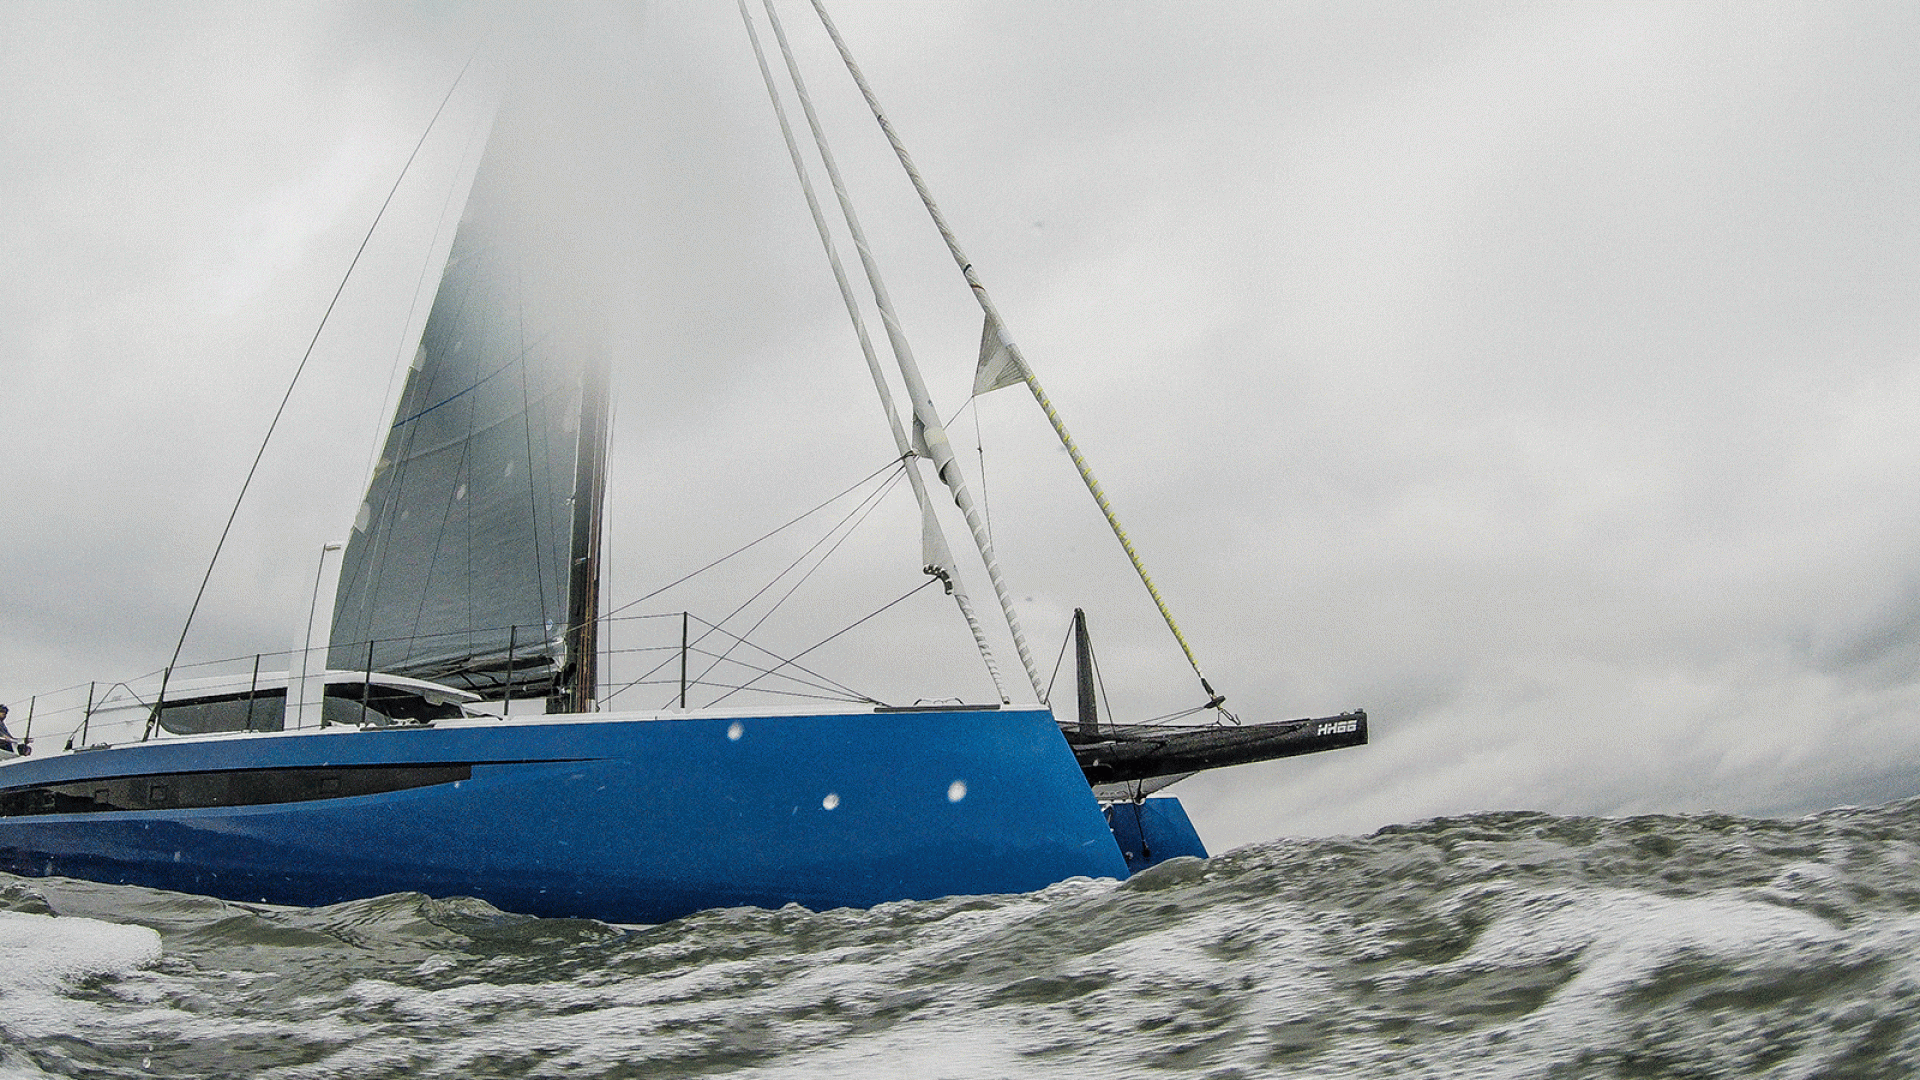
x=458 y=567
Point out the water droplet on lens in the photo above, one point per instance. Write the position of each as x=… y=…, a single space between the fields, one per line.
x=830 y=801
x=956 y=791
x=734 y=731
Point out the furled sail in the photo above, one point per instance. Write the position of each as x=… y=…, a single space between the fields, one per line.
x=474 y=559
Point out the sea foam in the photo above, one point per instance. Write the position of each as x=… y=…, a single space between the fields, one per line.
x=42 y=954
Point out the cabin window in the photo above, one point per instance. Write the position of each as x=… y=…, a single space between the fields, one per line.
x=242 y=787
x=385 y=704
x=265 y=710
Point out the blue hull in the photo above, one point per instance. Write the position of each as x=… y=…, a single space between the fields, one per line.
x=628 y=820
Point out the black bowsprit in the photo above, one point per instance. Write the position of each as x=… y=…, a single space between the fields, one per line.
x=1120 y=753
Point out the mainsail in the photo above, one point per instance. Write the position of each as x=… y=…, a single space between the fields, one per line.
x=474 y=559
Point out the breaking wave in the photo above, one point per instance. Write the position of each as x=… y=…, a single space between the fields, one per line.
x=1495 y=945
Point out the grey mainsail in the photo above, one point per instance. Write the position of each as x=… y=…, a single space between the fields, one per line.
x=473 y=560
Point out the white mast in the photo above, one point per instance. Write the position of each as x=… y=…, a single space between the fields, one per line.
x=938 y=558
x=997 y=349
x=930 y=435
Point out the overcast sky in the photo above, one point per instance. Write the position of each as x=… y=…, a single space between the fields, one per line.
x=1540 y=377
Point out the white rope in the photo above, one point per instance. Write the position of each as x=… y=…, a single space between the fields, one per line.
x=947 y=571
x=933 y=435
x=993 y=320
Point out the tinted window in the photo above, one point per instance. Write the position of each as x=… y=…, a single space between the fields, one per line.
x=262 y=711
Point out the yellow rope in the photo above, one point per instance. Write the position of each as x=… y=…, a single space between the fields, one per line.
x=1113 y=520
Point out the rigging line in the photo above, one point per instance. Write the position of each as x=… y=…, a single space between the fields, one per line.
x=938 y=552
x=763 y=671
x=1100 y=680
x=641 y=680
x=784 y=693
x=713 y=628
x=829 y=681
x=963 y=408
x=413 y=305
x=980 y=449
x=755 y=646
x=1166 y=717
x=717 y=627
x=845 y=527
x=645 y=678
x=1058 y=661
x=891 y=464
x=78 y=685
x=864 y=505
x=1013 y=350
x=933 y=435
x=840 y=692
x=818 y=563
x=526 y=428
x=605 y=632
x=291 y=383
x=829 y=638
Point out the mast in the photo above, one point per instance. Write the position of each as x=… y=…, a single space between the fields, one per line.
x=930 y=434
x=1083 y=675
x=579 y=678
x=995 y=338
x=937 y=556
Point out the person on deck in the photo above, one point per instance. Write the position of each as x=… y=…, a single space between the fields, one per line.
x=9 y=744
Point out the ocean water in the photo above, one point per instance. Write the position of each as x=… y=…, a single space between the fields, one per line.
x=1495 y=945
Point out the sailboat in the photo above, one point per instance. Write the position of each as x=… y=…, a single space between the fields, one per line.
x=445 y=730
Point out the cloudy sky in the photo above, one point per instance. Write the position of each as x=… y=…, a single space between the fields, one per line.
x=1543 y=378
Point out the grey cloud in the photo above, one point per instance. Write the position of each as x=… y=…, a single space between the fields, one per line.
x=1539 y=377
